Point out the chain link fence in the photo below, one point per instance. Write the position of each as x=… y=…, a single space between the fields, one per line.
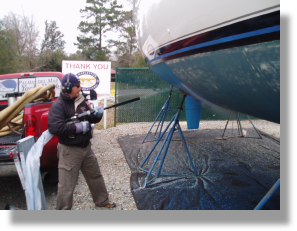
x=153 y=93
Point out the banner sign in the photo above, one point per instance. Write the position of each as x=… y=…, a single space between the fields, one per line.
x=8 y=85
x=44 y=81
x=23 y=84
x=94 y=75
x=26 y=84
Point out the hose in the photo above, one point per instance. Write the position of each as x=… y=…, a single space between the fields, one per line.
x=10 y=114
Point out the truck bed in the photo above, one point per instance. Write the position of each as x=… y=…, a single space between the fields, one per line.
x=35 y=123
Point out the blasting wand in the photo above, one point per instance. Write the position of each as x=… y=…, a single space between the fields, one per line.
x=80 y=117
x=122 y=103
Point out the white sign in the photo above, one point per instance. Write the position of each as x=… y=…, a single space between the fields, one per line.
x=8 y=85
x=44 y=81
x=23 y=84
x=26 y=84
x=92 y=74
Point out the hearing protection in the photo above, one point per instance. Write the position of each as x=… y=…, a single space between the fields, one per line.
x=68 y=85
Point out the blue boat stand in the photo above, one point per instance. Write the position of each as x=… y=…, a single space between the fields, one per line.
x=174 y=122
x=268 y=195
x=162 y=114
x=175 y=126
x=239 y=127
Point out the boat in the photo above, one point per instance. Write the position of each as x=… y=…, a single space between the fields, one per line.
x=222 y=52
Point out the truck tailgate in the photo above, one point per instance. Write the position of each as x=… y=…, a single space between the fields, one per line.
x=38 y=113
x=49 y=155
x=7 y=143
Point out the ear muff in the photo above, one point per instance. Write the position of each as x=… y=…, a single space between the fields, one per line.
x=68 y=85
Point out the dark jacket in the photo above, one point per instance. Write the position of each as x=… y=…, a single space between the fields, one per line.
x=62 y=109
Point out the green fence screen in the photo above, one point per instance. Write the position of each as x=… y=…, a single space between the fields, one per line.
x=153 y=93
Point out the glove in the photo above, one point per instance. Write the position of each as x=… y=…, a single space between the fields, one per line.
x=98 y=111
x=83 y=127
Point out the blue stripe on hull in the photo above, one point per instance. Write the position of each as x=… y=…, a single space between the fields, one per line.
x=244 y=79
x=221 y=40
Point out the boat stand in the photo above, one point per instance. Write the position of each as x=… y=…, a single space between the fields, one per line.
x=174 y=123
x=162 y=114
x=239 y=128
x=268 y=195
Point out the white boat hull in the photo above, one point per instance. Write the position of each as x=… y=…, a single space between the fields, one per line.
x=224 y=52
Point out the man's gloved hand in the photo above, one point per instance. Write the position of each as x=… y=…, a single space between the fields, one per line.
x=83 y=127
x=99 y=111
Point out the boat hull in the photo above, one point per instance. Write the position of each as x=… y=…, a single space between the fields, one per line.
x=243 y=79
x=235 y=65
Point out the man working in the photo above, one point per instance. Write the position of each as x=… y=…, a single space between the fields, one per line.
x=74 y=147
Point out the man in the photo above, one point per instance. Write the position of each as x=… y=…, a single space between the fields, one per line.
x=74 y=147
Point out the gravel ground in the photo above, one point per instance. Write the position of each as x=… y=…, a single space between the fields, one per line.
x=113 y=166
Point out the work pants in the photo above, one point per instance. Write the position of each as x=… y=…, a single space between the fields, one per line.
x=71 y=160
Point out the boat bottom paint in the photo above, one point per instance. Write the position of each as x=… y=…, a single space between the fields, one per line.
x=243 y=79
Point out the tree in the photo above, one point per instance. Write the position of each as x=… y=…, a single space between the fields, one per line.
x=77 y=56
x=127 y=29
x=102 y=18
x=52 y=48
x=7 y=51
x=52 y=60
x=56 y=60
x=126 y=45
x=137 y=61
x=52 y=38
x=26 y=35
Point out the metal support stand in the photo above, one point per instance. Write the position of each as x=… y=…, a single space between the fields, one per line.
x=239 y=128
x=268 y=195
x=174 y=126
x=161 y=115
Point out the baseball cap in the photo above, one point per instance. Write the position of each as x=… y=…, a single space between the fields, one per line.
x=73 y=79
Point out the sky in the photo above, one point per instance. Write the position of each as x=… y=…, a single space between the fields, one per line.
x=64 y=12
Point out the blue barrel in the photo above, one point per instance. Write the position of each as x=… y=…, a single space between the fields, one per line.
x=193 y=112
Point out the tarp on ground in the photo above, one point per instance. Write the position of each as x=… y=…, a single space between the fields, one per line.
x=233 y=174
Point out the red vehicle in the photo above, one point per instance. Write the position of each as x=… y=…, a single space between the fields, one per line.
x=35 y=115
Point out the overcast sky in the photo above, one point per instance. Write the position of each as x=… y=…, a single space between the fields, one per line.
x=64 y=12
